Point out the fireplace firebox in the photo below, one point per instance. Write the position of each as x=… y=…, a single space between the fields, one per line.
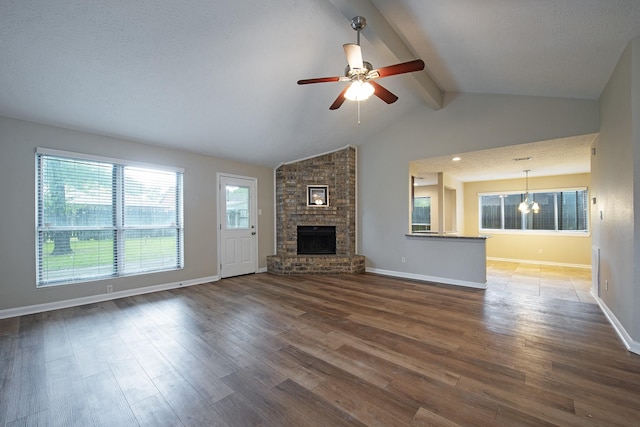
x=316 y=240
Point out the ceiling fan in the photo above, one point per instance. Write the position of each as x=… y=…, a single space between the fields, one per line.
x=361 y=74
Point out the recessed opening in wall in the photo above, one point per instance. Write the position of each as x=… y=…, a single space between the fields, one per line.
x=316 y=240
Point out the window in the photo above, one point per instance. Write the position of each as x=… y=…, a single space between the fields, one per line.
x=421 y=214
x=100 y=218
x=562 y=210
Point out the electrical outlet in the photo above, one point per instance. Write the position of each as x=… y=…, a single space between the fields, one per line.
x=606 y=285
x=404 y=260
x=109 y=289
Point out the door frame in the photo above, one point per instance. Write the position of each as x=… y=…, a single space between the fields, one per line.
x=253 y=215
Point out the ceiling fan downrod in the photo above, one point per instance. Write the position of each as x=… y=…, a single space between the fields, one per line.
x=358 y=23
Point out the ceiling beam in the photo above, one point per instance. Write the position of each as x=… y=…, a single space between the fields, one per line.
x=379 y=32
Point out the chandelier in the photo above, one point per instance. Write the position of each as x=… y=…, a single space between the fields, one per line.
x=528 y=204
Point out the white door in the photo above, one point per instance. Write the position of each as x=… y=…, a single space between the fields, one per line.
x=238 y=225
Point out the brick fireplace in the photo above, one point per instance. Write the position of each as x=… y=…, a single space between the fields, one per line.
x=295 y=212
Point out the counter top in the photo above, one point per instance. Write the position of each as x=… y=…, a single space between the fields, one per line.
x=447 y=236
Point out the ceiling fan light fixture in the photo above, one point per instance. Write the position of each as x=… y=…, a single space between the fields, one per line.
x=359 y=91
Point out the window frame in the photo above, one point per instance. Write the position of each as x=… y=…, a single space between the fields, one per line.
x=525 y=231
x=414 y=224
x=118 y=226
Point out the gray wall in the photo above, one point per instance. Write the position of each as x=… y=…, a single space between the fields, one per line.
x=467 y=123
x=615 y=169
x=18 y=141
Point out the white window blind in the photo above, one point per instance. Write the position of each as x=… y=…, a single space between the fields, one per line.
x=100 y=218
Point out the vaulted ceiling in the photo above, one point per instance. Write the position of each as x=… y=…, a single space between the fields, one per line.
x=219 y=76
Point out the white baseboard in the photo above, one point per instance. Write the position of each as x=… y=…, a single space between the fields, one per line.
x=631 y=344
x=426 y=278
x=528 y=261
x=40 y=308
x=262 y=270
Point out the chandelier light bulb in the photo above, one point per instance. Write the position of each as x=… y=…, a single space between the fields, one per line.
x=535 y=207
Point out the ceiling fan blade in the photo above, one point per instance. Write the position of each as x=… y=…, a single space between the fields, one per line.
x=339 y=100
x=405 y=67
x=383 y=93
x=319 y=80
x=354 y=55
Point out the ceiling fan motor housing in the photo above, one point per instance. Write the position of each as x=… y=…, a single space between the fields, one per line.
x=354 y=73
x=358 y=23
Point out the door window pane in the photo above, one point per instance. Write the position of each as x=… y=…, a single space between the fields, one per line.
x=237 y=207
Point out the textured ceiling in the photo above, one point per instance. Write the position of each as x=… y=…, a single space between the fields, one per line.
x=218 y=76
x=566 y=155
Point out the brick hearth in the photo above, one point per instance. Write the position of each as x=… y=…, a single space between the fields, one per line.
x=337 y=170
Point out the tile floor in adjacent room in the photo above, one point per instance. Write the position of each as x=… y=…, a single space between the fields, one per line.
x=548 y=281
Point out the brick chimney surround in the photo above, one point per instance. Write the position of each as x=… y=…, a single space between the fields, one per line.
x=336 y=170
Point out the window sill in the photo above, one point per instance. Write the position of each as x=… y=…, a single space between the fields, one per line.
x=536 y=233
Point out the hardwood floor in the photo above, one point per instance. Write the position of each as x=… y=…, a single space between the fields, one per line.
x=319 y=351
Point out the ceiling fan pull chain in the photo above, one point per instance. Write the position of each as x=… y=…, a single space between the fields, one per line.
x=358 y=102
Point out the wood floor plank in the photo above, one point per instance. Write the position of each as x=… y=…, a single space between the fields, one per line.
x=197 y=374
x=148 y=356
x=108 y=404
x=344 y=390
x=269 y=405
x=56 y=338
x=67 y=401
x=320 y=411
x=191 y=408
x=155 y=411
x=8 y=346
x=28 y=376
x=336 y=358
x=9 y=326
x=426 y=418
x=238 y=412
x=38 y=419
x=132 y=380
x=321 y=350
x=447 y=401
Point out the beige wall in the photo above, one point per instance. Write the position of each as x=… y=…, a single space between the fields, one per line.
x=18 y=141
x=561 y=249
x=454 y=209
